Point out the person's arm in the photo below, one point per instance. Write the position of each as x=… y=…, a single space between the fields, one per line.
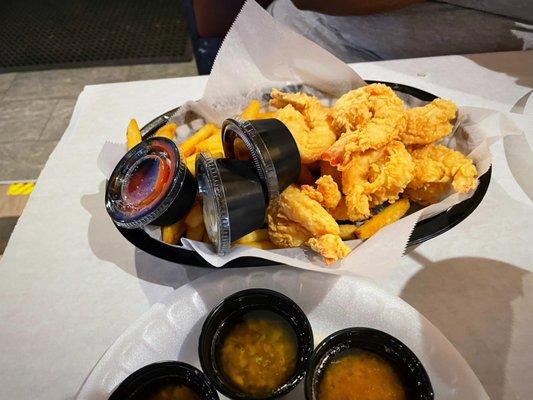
x=353 y=7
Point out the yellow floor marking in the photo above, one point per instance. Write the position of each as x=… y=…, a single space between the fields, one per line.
x=20 y=188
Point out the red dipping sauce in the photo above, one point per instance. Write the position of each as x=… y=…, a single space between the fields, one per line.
x=146 y=181
x=150 y=185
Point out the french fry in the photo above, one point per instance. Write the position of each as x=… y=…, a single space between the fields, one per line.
x=171 y=234
x=251 y=111
x=195 y=232
x=218 y=154
x=212 y=144
x=264 y=245
x=347 y=231
x=187 y=146
x=211 y=140
x=258 y=235
x=387 y=216
x=190 y=162
x=168 y=131
x=133 y=134
x=215 y=150
x=195 y=216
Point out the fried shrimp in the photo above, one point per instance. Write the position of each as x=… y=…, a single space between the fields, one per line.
x=297 y=218
x=374 y=177
x=327 y=192
x=367 y=118
x=429 y=123
x=436 y=168
x=307 y=120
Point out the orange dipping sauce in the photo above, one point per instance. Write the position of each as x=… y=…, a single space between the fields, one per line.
x=259 y=354
x=360 y=375
x=171 y=391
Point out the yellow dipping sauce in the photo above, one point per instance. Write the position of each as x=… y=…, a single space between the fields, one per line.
x=258 y=355
x=172 y=391
x=360 y=375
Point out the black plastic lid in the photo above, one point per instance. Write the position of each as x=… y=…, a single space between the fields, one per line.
x=150 y=184
x=232 y=197
x=272 y=150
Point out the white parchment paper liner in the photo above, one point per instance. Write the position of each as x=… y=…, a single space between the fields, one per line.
x=259 y=53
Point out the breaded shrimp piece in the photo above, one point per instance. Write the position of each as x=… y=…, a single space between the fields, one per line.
x=298 y=207
x=429 y=123
x=283 y=232
x=307 y=120
x=436 y=168
x=327 y=192
x=374 y=177
x=357 y=107
x=367 y=118
x=330 y=246
x=296 y=218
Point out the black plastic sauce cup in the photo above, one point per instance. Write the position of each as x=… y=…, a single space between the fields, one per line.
x=150 y=185
x=147 y=380
x=232 y=197
x=405 y=363
x=224 y=317
x=271 y=148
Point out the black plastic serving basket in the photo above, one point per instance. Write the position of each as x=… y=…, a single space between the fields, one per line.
x=423 y=231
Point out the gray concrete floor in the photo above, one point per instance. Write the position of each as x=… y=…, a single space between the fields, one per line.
x=35 y=108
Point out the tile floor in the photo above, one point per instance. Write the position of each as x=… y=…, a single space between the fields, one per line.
x=35 y=108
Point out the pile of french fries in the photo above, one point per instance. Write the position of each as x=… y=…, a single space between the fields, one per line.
x=209 y=138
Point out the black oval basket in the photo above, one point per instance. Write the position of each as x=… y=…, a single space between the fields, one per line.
x=423 y=231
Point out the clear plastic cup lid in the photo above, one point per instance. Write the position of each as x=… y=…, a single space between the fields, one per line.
x=233 y=199
x=145 y=182
x=257 y=152
x=215 y=208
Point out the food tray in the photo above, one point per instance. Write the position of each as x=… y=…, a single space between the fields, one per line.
x=423 y=231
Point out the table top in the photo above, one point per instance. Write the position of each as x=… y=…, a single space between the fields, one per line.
x=70 y=283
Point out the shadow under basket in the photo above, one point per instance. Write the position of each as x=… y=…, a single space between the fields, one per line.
x=423 y=231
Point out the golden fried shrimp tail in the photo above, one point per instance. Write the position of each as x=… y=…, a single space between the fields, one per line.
x=429 y=123
x=331 y=247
